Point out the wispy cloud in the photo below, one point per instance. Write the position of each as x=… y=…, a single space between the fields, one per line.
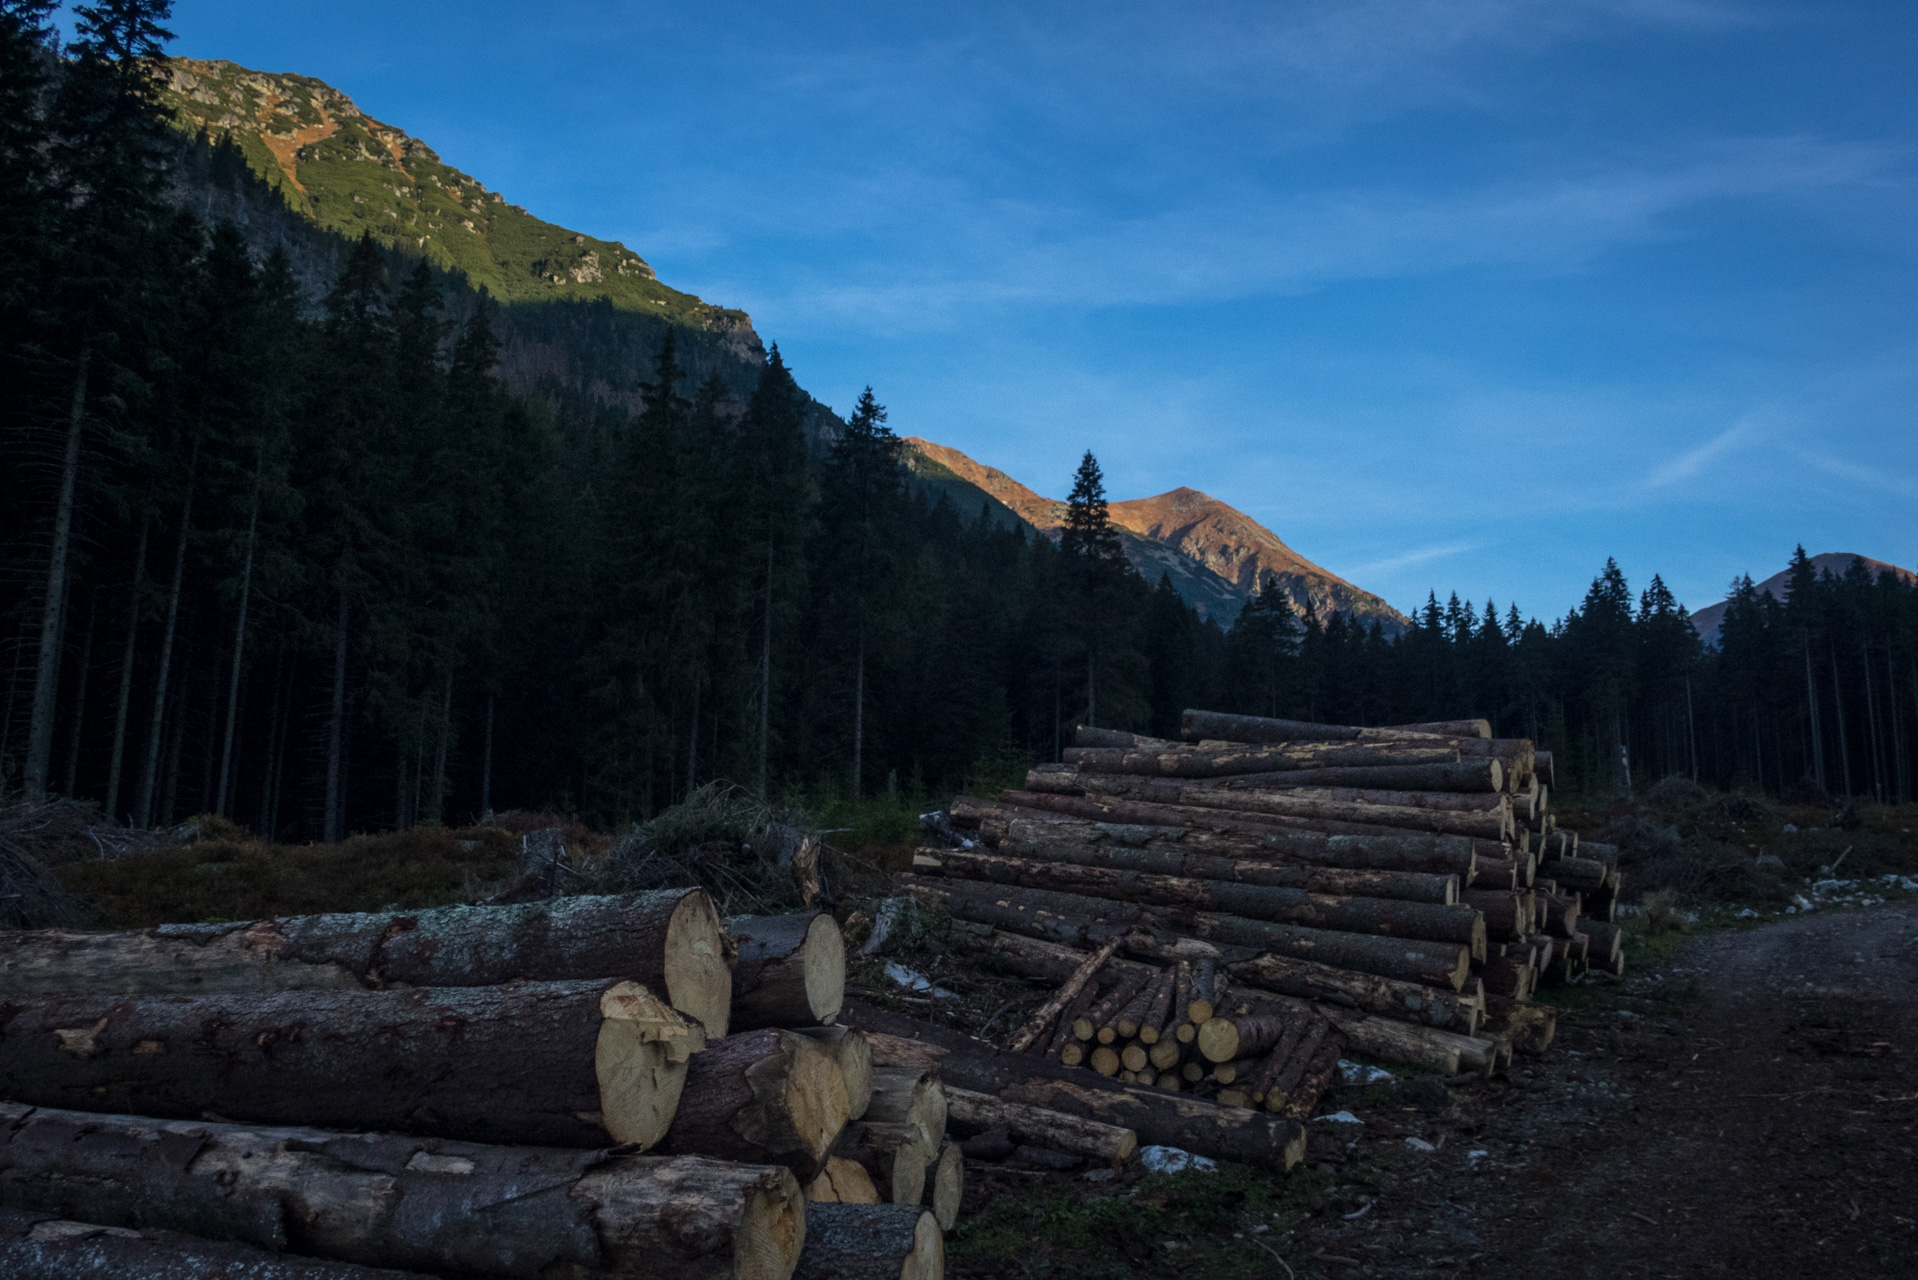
x=1693 y=461
x=1408 y=559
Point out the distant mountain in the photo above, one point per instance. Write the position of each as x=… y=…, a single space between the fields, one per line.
x=580 y=317
x=1709 y=619
x=1214 y=553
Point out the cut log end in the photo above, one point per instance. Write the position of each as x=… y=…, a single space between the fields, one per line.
x=947 y=1186
x=872 y=1242
x=640 y=1059
x=698 y=982
x=825 y=967
x=842 y=1181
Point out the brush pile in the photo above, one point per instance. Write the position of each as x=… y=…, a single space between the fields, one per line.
x=1226 y=918
x=611 y=1086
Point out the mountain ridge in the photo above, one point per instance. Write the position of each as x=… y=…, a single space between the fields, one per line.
x=1708 y=620
x=1215 y=554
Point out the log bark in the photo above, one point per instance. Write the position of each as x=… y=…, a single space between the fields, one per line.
x=854 y=1056
x=1368 y=993
x=1189 y=762
x=1584 y=875
x=871 y=1242
x=1068 y=991
x=1217 y=833
x=894 y=1156
x=1090 y=922
x=842 y=1181
x=1492 y=821
x=1607 y=940
x=1279 y=1095
x=1042 y=842
x=946 y=1187
x=1127 y=1020
x=791 y=970
x=1530 y=1026
x=1421 y=1046
x=1447 y=728
x=1560 y=912
x=763 y=1097
x=585 y=1064
x=1508 y=976
x=1103 y=1014
x=1508 y=915
x=1063 y=1034
x=1251 y=1035
x=977 y=1112
x=668 y=940
x=1317 y=1076
x=1157 y=1118
x=1200 y=726
x=1430 y=921
x=44 y=1246
x=420 y=1204
x=1474 y=776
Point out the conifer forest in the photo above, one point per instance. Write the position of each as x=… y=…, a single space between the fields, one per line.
x=296 y=556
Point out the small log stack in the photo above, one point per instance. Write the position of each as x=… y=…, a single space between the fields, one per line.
x=1234 y=911
x=529 y=1090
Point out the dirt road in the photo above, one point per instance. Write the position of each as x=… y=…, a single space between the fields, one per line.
x=1751 y=1110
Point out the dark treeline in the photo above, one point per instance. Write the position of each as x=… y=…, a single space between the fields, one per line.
x=303 y=561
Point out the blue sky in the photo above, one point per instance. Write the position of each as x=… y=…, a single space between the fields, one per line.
x=1453 y=294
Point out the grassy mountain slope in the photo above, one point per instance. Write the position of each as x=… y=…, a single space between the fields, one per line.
x=1214 y=553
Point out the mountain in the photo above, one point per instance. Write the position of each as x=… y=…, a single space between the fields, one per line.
x=1214 y=553
x=580 y=318
x=1711 y=617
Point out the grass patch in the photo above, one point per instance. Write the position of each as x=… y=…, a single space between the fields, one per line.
x=1142 y=1225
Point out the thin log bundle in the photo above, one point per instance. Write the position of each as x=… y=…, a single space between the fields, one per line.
x=765 y=1097
x=43 y=1246
x=408 y=1204
x=791 y=970
x=583 y=1064
x=871 y=1242
x=668 y=940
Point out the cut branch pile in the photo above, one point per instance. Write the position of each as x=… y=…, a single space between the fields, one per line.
x=1225 y=917
x=523 y=1090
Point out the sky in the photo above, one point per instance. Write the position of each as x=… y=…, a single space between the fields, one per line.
x=1453 y=295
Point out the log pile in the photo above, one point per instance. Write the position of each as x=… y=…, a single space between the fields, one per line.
x=1225 y=917
x=585 y=1087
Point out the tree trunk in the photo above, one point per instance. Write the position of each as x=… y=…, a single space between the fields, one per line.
x=1246 y=835
x=1303 y=1090
x=422 y=1204
x=859 y=714
x=1042 y=841
x=1091 y=922
x=1225 y=762
x=1530 y=1026
x=1489 y=822
x=1508 y=914
x=486 y=768
x=791 y=970
x=1466 y=776
x=975 y=1112
x=1425 y=920
x=149 y=772
x=574 y=1064
x=768 y=1097
x=1166 y=1119
x=669 y=940
x=126 y=673
x=871 y=1242
x=766 y=671
x=46 y=679
x=436 y=798
x=1844 y=737
x=43 y=1246
x=239 y=649
x=335 y=820
x=911 y=1096
x=77 y=725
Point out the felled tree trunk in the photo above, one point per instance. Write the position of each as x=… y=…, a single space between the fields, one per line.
x=975 y=1112
x=1459 y=776
x=1238 y=835
x=1091 y=922
x=583 y=1064
x=1368 y=993
x=1508 y=915
x=766 y=1097
x=1431 y=921
x=1046 y=846
x=1167 y=1119
x=1191 y=762
x=912 y=1096
x=871 y=1242
x=668 y=940
x=419 y=1204
x=44 y=1246
x=791 y=970
x=1487 y=817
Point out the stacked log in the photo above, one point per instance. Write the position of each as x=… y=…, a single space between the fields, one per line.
x=1225 y=915
x=529 y=1090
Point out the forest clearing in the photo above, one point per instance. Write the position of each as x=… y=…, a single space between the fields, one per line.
x=1169 y=1003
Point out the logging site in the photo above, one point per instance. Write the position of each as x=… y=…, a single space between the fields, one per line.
x=1274 y=998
